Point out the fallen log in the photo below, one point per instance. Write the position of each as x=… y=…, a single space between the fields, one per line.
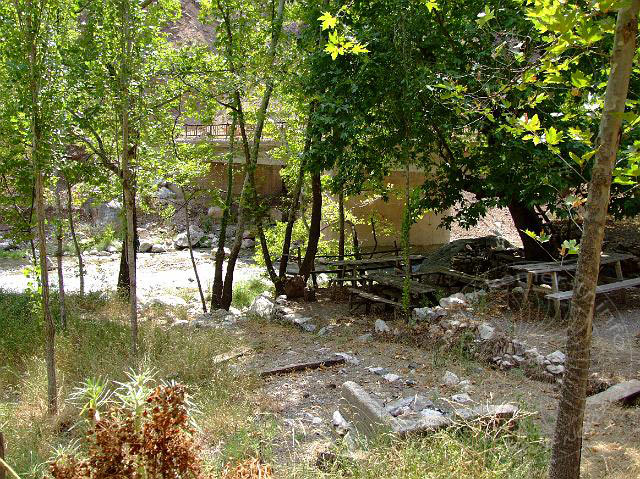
x=292 y=368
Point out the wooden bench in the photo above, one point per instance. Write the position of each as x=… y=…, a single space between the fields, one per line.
x=604 y=288
x=370 y=298
x=346 y=279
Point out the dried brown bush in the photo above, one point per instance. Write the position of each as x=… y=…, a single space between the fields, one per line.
x=155 y=444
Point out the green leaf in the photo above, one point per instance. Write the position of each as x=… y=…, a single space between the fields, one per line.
x=580 y=80
x=553 y=136
x=485 y=16
x=328 y=21
x=432 y=5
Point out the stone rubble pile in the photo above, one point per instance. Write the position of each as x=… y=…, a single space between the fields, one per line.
x=451 y=319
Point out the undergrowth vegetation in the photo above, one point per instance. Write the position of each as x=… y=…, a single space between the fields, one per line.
x=229 y=427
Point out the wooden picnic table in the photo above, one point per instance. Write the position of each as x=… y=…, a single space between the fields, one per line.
x=398 y=282
x=553 y=269
x=394 y=281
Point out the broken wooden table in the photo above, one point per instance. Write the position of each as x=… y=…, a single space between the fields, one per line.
x=554 y=269
x=397 y=284
x=359 y=266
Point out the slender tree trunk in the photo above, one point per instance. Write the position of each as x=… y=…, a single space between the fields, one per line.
x=128 y=179
x=216 y=289
x=59 y=237
x=295 y=202
x=567 y=447
x=38 y=160
x=49 y=326
x=248 y=188
x=76 y=245
x=341 y=225
x=308 y=262
x=190 y=245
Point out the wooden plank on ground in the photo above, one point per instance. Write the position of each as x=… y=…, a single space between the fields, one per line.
x=621 y=392
x=223 y=358
x=603 y=288
x=373 y=297
x=292 y=368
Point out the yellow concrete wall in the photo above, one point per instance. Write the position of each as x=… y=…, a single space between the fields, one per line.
x=268 y=181
x=424 y=233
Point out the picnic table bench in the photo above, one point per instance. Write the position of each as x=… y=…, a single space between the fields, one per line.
x=395 y=282
x=369 y=298
x=603 y=288
x=553 y=269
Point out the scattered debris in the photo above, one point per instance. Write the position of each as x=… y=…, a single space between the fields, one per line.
x=370 y=418
x=381 y=326
x=450 y=379
x=292 y=368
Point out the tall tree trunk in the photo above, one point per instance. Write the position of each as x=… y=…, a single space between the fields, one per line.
x=308 y=262
x=128 y=177
x=341 y=225
x=406 y=239
x=295 y=202
x=525 y=218
x=567 y=446
x=248 y=194
x=59 y=237
x=37 y=156
x=130 y=202
x=190 y=245
x=49 y=326
x=216 y=289
x=76 y=245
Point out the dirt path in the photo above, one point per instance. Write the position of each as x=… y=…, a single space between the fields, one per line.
x=304 y=402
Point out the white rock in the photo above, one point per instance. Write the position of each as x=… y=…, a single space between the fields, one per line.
x=145 y=246
x=248 y=243
x=486 y=331
x=391 y=377
x=262 y=306
x=215 y=212
x=475 y=295
x=158 y=248
x=454 y=300
x=180 y=241
x=165 y=194
x=170 y=301
x=180 y=323
x=340 y=423
x=465 y=385
x=463 y=398
x=349 y=359
x=557 y=357
x=450 y=379
x=428 y=314
x=381 y=326
x=555 y=368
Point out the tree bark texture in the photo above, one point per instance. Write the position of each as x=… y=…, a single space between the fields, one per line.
x=567 y=446
x=59 y=238
x=76 y=244
x=308 y=263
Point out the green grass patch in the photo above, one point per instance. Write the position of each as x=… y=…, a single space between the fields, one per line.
x=244 y=292
x=96 y=345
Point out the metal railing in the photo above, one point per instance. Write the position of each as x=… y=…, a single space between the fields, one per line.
x=217 y=130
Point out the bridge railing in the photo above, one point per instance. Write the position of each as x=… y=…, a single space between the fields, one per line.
x=217 y=130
